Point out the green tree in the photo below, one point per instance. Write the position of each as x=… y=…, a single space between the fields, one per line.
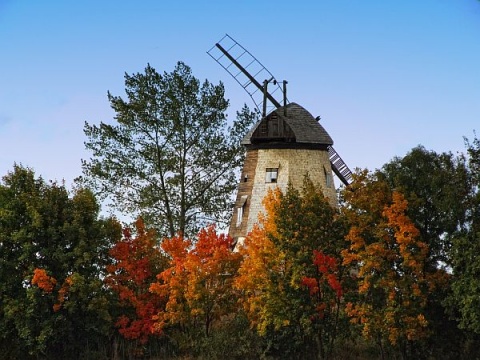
x=45 y=231
x=170 y=156
x=438 y=189
x=473 y=149
x=282 y=275
x=466 y=249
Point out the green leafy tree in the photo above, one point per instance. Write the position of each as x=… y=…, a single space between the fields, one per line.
x=466 y=249
x=473 y=149
x=438 y=189
x=170 y=156
x=48 y=237
x=288 y=296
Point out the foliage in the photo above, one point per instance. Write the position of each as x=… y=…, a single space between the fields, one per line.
x=43 y=281
x=286 y=294
x=438 y=188
x=473 y=150
x=198 y=282
x=232 y=339
x=136 y=263
x=47 y=238
x=388 y=257
x=327 y=274
x=465 y=296
x=170 y=156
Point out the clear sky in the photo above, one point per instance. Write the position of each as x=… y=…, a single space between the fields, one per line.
x=385 y=76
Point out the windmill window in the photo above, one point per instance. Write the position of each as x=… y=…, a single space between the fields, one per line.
x=239 y=216
x=240 y=209
x=271 y=175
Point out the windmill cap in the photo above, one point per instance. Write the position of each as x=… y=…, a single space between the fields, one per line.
x=306 y=129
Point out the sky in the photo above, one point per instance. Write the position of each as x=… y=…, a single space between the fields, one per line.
x=385 y=76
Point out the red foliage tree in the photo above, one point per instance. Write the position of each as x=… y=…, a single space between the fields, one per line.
x=137 y=261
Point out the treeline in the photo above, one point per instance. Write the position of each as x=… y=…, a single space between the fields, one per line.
x=392 y=273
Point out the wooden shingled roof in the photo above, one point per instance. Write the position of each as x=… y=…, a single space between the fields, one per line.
x=306 y=128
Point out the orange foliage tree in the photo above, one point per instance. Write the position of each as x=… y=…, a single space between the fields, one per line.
x=136 y=262
x=387 y=257
x=198 y=283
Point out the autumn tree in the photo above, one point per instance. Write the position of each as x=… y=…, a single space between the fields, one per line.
x=48 y=238
x=387 y=256
x=283 y=277
x=169 y=156
x=136 y=261
x=198 y=282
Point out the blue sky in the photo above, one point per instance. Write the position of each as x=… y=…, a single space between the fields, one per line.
x=385 y=76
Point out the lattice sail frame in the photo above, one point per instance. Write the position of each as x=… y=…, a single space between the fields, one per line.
x=248 y=72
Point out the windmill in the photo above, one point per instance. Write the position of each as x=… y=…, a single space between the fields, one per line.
x=284 y=145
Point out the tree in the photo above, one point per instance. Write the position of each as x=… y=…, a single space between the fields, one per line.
x=170 y=156
x=326 y=291
x=438 y=189
x=136 y=263
x=49 y=240
x=465 y=296
x=387 y=254
x=285 y=296
x=473 y=150
x=198 y=284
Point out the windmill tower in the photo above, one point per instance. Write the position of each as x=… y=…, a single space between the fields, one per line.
x=283 y=146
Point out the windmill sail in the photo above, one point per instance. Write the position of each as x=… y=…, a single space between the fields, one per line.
x=251 y=74
x=339 y=167
x=247 y=71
